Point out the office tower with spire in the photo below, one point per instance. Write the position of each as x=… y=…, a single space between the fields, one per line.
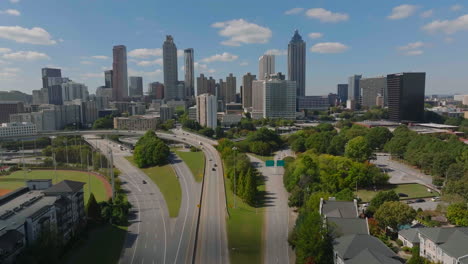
x=189 y=73
x=170 y=68
x=297 y=62
x=266 y=66
x=247 y=90
x=119 y=73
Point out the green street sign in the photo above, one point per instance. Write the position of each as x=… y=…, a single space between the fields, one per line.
x=270 y=163
x=280 y=163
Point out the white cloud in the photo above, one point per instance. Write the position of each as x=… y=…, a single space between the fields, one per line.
x=414 y=52
x=329 y=47
x=100 y=57
x=150 y=63
x=244 y=63
x=240 y=31
x=276 y=52
x=326 y=16
x=4 y=50
x=86 y=62
x=402 y=11
x=14 y=1
x=225 y=56
x=34 y=35
x=106 y=68
x=91 y=75
x=456 y=7
x=201 y=67
x=315 y=35
x=427 y=13
x=9 y=73
x=448 y=26
x=294 y=11
x=412 y=46
x=26 y=56
x=11 y=12
x=151 y=74
x=145 y=53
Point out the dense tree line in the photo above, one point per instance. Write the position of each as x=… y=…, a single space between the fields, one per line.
x=41 y=142
x=194 y=126
x=240 y=172
x=264 y=141
x=106 y=122
x=150 y=151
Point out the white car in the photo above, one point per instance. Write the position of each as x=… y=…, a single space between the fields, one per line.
x=435 y=199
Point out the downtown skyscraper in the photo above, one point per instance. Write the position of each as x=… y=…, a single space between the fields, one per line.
x=189 y=73
x=136 y=86
x=170 y=68
x=266 y=66
x=297 y=62
x=247 y=90
x=119 y=73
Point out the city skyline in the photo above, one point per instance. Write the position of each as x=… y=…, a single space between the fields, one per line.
x=335 y=49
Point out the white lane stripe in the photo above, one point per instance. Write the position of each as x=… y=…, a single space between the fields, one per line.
x=186 y=211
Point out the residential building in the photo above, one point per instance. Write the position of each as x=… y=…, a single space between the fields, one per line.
x=266 y=66
x=343 y=209
x=206 y=110
x=72 y=90
x=234 y=108
x=354 y=91
x=119 y=73
x=136 y=86
x=156 y=90
x=247 y=89
x=189 y=73
x=202 y=84
x=49 y=73
x=230 y=94
x=313 y=102
x=211 y=86
x=409 y=237
x=406 y=96
x=342 y=91
x=446 y=245
x=192 y=113
x=274 y=97
x=141 y=123
x=228 y=120
x=170 y=68
x=8 y=108
x=12 y=130
x=297 y=62
x=166 y=112
x=332 y=99
x=108 y=75
x=371 y=88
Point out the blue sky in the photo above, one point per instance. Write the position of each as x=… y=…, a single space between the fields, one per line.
x=369 y=37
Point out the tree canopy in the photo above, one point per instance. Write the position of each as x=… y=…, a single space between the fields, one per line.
x=150 y=151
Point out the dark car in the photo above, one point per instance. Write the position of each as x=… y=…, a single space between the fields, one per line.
x=144 y=182
x=419 y=201
x=216 y=165
x=213 y=169
x=402 y=195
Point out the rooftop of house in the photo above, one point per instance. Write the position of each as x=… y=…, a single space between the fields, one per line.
x=342 y=209
x=410 y=234
x=348 y=226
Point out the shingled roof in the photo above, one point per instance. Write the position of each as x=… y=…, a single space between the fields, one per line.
x=358 y=248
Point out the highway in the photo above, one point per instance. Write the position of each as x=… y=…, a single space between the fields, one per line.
x=152 y=236
x=278 y=216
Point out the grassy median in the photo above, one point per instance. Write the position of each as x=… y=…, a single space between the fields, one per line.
x=244 y=229
x=413 y=190
x=168 y=184
x=195 y=161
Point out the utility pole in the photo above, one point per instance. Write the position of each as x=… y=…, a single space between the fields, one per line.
x=55 y=167
x=235 y=176
x=111 y=166
x=81 y=158
x=66 y=150
x=89 y=174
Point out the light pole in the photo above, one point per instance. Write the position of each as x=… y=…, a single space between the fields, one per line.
x=66 y=150
x=235 y=176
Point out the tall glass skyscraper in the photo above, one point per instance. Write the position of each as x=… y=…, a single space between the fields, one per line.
x=119 y=73
x=297 y=62
x=189 y=73
x=136 y=86
x=170 y=68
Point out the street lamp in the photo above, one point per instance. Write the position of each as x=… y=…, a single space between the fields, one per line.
x=235 y=176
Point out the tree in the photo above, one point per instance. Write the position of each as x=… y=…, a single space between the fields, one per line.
x=298 y=145
x=380 y=198
x=457 y=213
x=106 y=122
x=206 y=131
x=378 y=136
x=345 y=195
x=219 y=132
x=416 y=257
x=93 y=210
x=394 y=214
x=358 y=149
x=150 y=151
x=250 y=188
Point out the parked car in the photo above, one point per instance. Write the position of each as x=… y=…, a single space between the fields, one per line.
x=402 y=195
x=409 y=202
x=435 y=199
x=419 y=201
x=144 y=182
x=216 y=165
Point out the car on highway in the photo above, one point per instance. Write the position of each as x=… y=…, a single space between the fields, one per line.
x=216 y=165
x=213 y=169
x=144 y=182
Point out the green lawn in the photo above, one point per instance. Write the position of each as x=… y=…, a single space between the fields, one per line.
x=17 y=180
x=413 y=190
x=168 y=184
x=103 y=245
x=244 y=230
x=264 y=158
x=195 y=161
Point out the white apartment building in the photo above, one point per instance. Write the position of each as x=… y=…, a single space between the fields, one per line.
x=17 y=129
x=206 y=110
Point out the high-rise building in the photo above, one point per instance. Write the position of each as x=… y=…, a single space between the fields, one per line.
x=202 y=84
x=406 y=96
x=8 y=108
x=189 y=73
x=170 y=68
x=40 y=96
x=48 y=73
x=230 y=95
x=136 y=86
x=119 y=73
x=247 y=89
x=211 y=86
x=72 y=90
x=221 y=90
x=371 y=88
x=266 y=66
x=297 y=62
x=354 y=92
x=342 y=91
x=206 y=110
x=54 y=89
x=156 y=90
x=108 y=79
